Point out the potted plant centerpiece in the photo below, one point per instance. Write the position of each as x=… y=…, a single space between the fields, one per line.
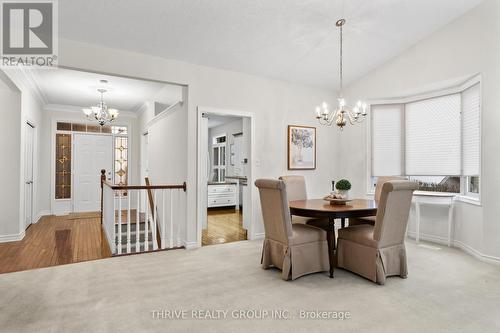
x=343 y=186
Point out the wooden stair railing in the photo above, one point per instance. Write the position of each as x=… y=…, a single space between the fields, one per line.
x=153 y=212
x=108 y=212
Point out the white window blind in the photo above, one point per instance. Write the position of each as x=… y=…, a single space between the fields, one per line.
x=387 y=144
x=433 y=139
x=471 y=143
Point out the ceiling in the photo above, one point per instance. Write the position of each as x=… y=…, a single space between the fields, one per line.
x=76 y=88
x=293 y=40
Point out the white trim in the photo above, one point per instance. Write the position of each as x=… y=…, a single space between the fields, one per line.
x=427 y=94
x=33 y=86
x=168 y=111
x=459 y=245
x=469 y=200
x=259 y=235
x=12 y=238
x=476 y=254
x=200 y=168
x=40 y=215
x=78 y=109
x=190 y=245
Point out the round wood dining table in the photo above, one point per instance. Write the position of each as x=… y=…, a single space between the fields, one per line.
x=319 y=208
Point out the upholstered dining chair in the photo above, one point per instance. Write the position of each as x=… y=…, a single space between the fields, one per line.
x=296 y=249
x=296 y=190
x=377 y=252
x=378 y=191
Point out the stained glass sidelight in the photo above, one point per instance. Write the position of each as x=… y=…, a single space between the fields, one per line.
x=63 y=166
x=121 y=161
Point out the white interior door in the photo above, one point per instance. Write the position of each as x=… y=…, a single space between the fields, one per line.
x=91 y=154
x=28 y=175
x=238 y=156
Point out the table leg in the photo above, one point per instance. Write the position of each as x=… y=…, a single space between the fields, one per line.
x=342 y=222
x=331 y=244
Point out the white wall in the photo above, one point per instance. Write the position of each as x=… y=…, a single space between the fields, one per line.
x=230 y=128
x=167 y=165
x=10 y=128
x=276 y=104
x=30 y=109
x=465 y=47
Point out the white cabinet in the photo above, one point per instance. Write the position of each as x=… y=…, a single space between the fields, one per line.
x=220 y=195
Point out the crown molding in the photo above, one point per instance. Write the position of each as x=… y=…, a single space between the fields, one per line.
x=78 y=109
x=23 y=78
x=34 y=87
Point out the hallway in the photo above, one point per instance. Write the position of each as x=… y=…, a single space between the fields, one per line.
x=56 y=240
x=224 y=226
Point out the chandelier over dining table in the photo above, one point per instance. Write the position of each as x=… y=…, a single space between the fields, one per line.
x=101 y=112
x=342 y=113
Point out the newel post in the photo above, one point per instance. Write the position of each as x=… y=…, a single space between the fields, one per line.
x=103 y=179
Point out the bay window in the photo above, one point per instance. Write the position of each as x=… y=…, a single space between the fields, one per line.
x=433 y=140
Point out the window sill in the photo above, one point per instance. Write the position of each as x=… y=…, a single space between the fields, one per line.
x=458 y=197
x=469 y=200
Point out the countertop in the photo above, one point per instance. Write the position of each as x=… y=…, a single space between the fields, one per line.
x=236 y=177
x=223 y=183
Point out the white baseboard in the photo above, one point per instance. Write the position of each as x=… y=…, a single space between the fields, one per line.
x=259 y=235
x=40 y=215
x=476 y=254
x=12 y=238
x=190 y=245
x=430 y=238
x=459 y=245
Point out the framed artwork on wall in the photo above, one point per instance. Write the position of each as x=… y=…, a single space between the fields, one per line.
x=301 y=147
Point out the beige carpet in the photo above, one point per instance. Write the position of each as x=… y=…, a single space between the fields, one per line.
x=447 y=291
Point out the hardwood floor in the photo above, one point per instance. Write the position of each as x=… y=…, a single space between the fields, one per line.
x=56 y=240
x=224 y=226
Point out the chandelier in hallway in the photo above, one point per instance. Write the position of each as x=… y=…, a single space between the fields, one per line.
x=342 y=113
x=101 y=113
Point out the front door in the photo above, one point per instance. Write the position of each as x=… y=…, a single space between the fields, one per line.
x=91 y=154
x=28 y=175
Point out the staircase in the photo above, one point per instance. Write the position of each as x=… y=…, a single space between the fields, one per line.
x=134 y=234
x=141 y=218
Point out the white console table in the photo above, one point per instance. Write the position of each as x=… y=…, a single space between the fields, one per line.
x=433 y=198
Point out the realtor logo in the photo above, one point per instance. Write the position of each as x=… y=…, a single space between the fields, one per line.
x=29 y=33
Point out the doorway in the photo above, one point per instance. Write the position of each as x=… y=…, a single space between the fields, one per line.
x=28 y=175
x=224 y=170
x=92 y=153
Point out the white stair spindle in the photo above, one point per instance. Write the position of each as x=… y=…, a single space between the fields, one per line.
x=112 y=198
x=137 y=223
x=146 y=222
x=171 y=235
x=153 y=228
x=177 y=225
x=163 y=245
x=128 y=222
x=119 y=222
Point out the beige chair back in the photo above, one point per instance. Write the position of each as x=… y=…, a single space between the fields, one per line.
x=275 y=210
x=393 y=211
x=295 y=187
x=380 y=183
